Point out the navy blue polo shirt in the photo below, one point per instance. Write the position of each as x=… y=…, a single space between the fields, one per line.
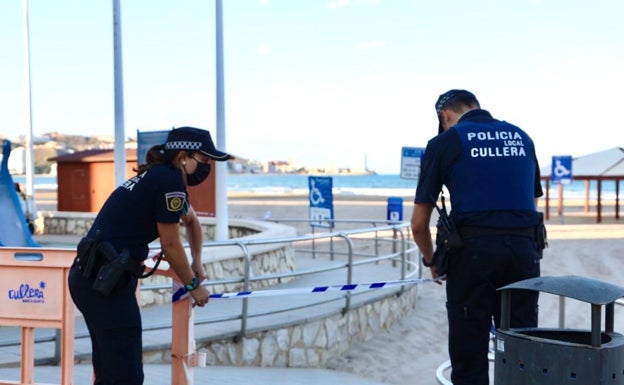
x=129 y=216
x=489 y=168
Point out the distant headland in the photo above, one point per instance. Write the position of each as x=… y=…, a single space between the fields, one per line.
x=55 y=144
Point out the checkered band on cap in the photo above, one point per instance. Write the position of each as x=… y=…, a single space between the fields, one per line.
x=445 y=98
x=183 y=145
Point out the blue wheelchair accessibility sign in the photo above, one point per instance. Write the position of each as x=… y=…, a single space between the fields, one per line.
x=147 y=139
x=561 y=171
x=321 y=201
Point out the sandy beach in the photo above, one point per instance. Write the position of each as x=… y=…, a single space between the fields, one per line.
x=411 y=351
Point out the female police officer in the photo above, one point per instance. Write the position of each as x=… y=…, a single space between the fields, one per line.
x=151 y=205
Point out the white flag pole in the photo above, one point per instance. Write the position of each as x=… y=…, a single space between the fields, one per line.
x=29 y=165
x=221 y=230
x=120 y=134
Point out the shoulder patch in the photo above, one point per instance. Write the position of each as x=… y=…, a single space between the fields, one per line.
x=175 y=201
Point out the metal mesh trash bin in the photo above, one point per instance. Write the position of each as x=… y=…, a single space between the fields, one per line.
x=526 y=356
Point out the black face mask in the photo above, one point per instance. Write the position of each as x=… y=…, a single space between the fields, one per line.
x=201 y=173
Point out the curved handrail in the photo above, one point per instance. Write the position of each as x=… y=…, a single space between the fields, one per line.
x=349 y=237
x=380 y=232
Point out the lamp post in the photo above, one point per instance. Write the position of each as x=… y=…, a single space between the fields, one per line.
x=120 y=135
x=221 y=230
x=28 y=146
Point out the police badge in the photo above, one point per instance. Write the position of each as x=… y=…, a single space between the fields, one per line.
x=175 y=201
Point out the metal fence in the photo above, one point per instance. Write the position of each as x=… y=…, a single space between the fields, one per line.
x=344 y=250
x=344 y=246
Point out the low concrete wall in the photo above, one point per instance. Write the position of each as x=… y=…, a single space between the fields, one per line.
x=307 y=345
x=224 y=262
x=221 y=262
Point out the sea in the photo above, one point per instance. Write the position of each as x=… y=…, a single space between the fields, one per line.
x=372 y=185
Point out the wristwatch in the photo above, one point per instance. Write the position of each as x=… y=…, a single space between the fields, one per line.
x=428 y=264
x=194 y=284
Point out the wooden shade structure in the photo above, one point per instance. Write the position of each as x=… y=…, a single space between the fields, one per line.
x=603 y=166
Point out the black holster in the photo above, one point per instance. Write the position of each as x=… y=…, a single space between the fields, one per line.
x=100 y=261
x=447 y=244
x=541 y=237
x=116 y=264
x=86 y=257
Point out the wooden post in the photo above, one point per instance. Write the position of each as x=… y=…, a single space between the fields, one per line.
x=587 y=195
x=547 y=208
x=599 y=204
x=182 y=341
x=560 y=200
x=183 y=355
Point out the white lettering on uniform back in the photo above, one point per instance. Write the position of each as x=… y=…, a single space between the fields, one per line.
x=496 y=152
x=130 y=183
x=502 y=144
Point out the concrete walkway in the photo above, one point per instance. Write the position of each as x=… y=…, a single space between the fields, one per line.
x=157 y=333
x=217 y=375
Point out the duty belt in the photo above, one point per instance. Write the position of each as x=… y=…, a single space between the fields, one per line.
x=475 y=231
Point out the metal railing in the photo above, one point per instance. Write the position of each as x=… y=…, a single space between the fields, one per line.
x=389 y=243
x=383 y=242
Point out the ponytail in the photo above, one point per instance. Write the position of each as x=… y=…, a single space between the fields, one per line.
x=155 y=155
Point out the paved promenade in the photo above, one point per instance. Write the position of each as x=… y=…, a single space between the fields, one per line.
x=217 y=375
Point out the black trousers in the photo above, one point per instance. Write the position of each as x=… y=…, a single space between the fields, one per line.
x=483 y=265
x=114 y=324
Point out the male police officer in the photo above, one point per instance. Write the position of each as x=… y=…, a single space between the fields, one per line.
x=491 y=172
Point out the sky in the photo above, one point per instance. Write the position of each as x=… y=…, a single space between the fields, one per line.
x=327 y=83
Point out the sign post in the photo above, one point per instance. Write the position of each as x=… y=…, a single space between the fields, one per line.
x=321 y=201
x=561 y=171
x=321 y=207
x=411 y=158
x=147 y=139
x=560 y=174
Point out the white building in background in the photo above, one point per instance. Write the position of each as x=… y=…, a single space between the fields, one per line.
x=53 y=169
x=17 y=161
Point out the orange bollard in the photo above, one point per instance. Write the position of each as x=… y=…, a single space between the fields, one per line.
x=183 y=355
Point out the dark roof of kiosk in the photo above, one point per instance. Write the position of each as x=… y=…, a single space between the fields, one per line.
x=89 y=156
